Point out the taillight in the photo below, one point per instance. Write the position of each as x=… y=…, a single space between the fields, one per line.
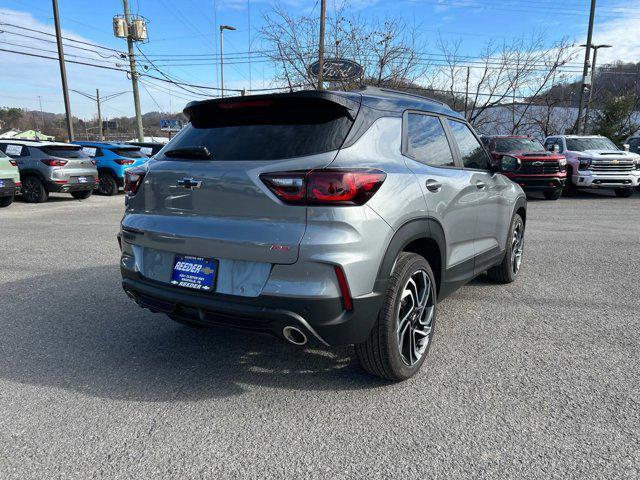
x=54 y=162
x=133 y=179
x=13 y=162
x=18 y=184
x=122 y=161
x=325 y=187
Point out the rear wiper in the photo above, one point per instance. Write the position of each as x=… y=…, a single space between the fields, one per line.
x=200 y=152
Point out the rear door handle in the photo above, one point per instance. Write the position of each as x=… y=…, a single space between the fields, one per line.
x=433 y=185
x=481 y=185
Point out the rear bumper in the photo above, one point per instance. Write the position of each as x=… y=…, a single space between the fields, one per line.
x=71 y=187
x=323 y=320
x=539 y=182
x=9 y=189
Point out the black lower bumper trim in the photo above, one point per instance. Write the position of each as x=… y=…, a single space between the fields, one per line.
x=539 y=183
x=8 y=192
x=323 y=320
x=69 y=187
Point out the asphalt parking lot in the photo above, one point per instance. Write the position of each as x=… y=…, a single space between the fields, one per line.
x=538 y=379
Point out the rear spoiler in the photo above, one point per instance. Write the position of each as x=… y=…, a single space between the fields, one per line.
x=349 y=101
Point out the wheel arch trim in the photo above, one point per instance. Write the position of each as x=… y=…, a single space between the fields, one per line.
x=421 y=228
x=32 y=173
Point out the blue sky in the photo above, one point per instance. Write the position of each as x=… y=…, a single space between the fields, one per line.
x=188 y=26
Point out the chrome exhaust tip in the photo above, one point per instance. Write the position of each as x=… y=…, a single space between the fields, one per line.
x=294 y=335
x=130 y=295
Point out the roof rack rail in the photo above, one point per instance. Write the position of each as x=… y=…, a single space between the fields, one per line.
x=400 y=92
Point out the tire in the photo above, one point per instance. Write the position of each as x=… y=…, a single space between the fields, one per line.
x=34 y=191
x=553 y=194
x=383 y=354
x=509 y=268
x=6 y=201
x=82 y=195
x=107 y=185
x=569 y=188
x=623 y=192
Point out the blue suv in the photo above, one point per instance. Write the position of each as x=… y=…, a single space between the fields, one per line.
x=112 y=160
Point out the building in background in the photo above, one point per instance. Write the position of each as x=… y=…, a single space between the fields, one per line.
x=26 y=135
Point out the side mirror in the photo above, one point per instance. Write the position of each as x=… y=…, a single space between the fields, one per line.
x=509 y=164
x=626 y=147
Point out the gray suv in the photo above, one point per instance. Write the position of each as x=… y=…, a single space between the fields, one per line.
x=329 y=217
x=51 y=167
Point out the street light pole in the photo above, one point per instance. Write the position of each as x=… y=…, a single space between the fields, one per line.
x=591 y=87
x=63 y=71
x=222 y=29
x=585 y=70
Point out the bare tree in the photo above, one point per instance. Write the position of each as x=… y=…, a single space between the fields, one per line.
x=512 y=74
x=388 y=50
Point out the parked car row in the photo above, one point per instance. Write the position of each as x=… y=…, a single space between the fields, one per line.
x=568 y=162
x=34 y=169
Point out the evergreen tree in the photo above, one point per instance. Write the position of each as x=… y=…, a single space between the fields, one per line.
x=615 y=120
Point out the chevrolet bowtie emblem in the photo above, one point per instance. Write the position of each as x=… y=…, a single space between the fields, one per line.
x=615 y=162
x=206 y=270
x=537 y=164
x=189 y=183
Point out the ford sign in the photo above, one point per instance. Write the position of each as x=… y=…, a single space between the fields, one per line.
x=335 y=69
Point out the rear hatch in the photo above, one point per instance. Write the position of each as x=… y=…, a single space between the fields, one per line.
x=202 y=194
x=78 y=165
x=131 y=153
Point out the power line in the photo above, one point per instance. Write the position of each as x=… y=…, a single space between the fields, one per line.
x=63 y=37
x=23 y=35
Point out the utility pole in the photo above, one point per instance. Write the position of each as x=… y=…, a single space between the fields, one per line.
x=585 y=70
x=41 y=112
x=63 y=71
x=323 y=14
x=99 y=102
x=593 y=81
x=466 y=92
x=100 y=132
x=222 y=29
x=134 y=73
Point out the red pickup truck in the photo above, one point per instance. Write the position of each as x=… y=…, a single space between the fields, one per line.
x=540 y=170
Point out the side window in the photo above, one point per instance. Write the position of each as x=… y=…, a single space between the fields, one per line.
x=91 y=151
x=426 y=141
x=634 y=145
x=548 y=144
x=14 y=150
x=99 y=152
x=472 y=153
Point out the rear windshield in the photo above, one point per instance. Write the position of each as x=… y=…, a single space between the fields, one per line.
x=64 y=152
x=128 y=152
x=518 y=145
x=266 y=129
x=582 y=144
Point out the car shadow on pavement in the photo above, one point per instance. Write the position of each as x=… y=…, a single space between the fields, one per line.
x=78 y=331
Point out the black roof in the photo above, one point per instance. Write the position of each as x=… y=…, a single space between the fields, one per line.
x=398 y=101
